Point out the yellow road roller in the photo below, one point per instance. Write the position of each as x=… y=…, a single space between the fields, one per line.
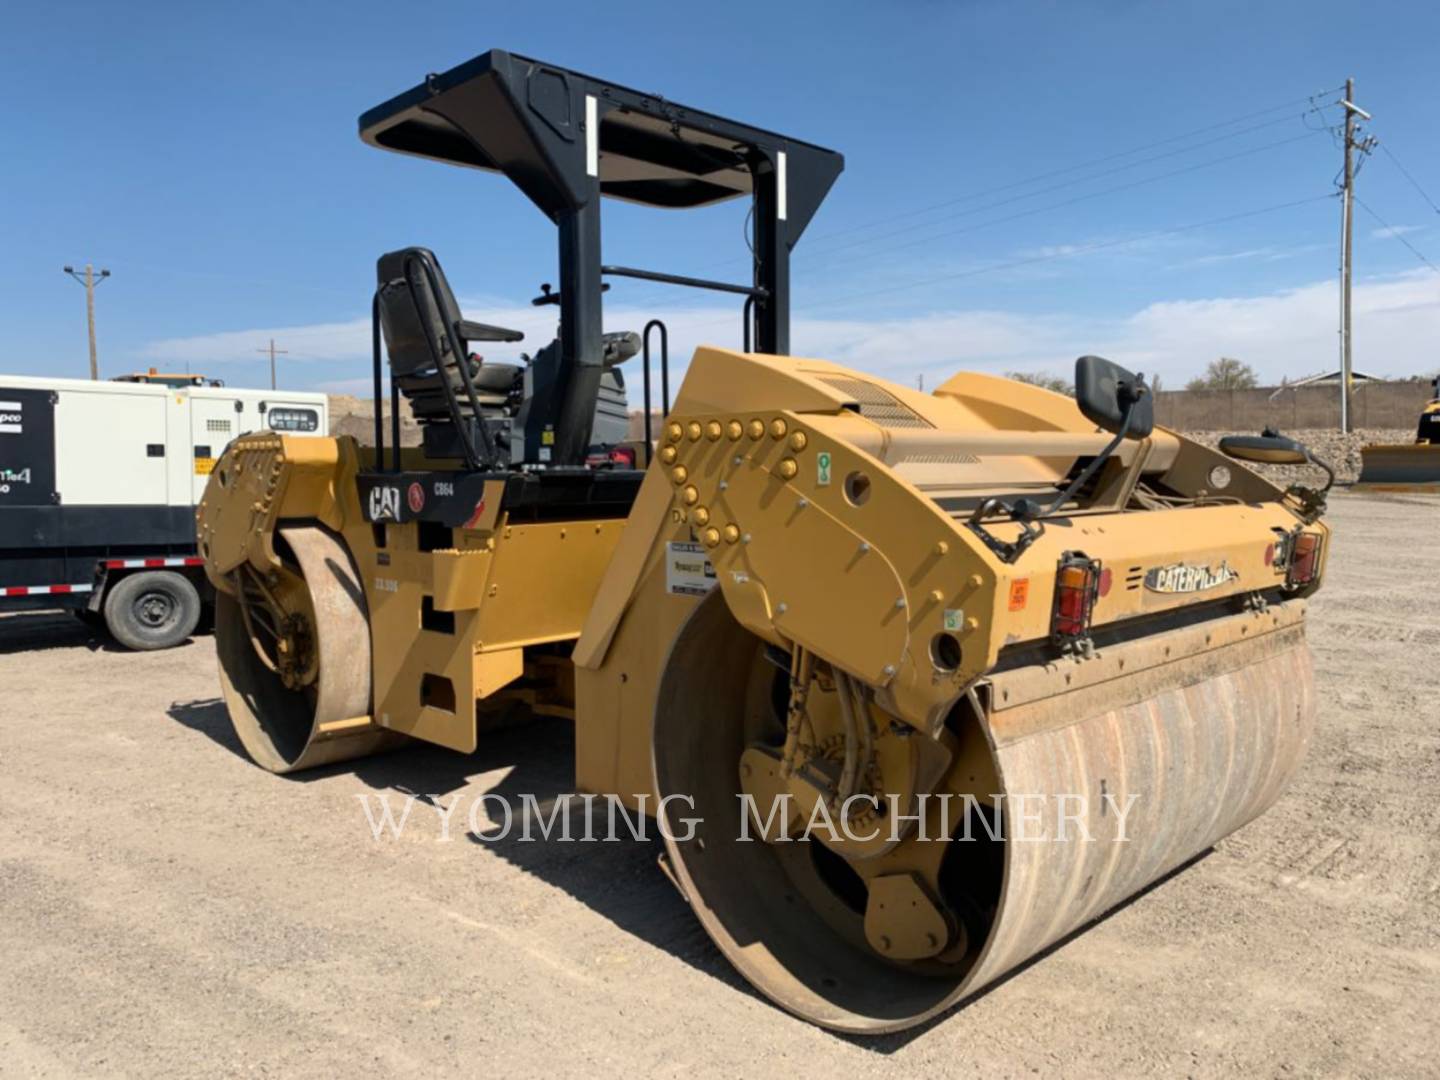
x=933 y=680
x=1413 y=468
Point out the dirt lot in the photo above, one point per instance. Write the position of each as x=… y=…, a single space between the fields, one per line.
x=170 y=909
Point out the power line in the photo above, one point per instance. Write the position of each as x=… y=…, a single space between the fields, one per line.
x=1049 y=257
x=1084 y=249
x=1315 y=106
x=1396 y=234
x=1406 y=173
x=870 y=253
x=1310 y=100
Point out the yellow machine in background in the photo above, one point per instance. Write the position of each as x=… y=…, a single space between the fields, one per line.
x=825 y=595
x=1410 y=468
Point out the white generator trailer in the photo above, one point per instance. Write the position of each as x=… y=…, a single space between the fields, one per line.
x=98 y=486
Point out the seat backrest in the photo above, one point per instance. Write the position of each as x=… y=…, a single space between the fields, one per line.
x=418 y=313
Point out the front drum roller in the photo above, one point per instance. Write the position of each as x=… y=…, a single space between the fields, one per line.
x=1204 y=754
x=295 y=657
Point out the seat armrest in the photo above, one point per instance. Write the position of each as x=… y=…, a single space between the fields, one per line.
x=478 y=331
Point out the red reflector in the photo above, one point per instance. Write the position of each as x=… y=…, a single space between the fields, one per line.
x=1304 y=559
x=1077 y=584
x=1269 y=554
x=623 y=455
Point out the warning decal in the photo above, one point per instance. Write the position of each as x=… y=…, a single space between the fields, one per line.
x=688 y=571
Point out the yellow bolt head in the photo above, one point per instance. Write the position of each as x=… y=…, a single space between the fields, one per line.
x=693 y=430
x=713 y=430
x=942 y=548
x=936 y=596
x=712 y=537
x=755 y=428
x=734 y=429
x=691 y=496
x=669 y=454
x=732 y=533
x=788 y=468
x=700 y=516
x=679 y=474
x=778 y=428
x=673 y=431
x=798 y=441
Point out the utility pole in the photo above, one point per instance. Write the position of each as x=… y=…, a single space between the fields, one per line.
x=90 y=281
x=1347 y=229
x=273 y=353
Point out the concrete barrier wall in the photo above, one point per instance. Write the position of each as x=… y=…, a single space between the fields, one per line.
x=1376 y=405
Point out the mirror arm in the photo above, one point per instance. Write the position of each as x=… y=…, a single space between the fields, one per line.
x=1329 y=472
x=1090 y=470
x=1312 y=502
x=1007 y=550
x=1028 y=515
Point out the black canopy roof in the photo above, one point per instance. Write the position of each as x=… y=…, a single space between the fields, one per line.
x=528 y=120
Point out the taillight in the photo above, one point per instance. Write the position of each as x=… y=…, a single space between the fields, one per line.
x=623 y=456
x=1304 y=559
x=1077 y=584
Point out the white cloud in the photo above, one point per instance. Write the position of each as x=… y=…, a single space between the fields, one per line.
x=317 y=341
x=1397 y=320
x=1266 y=253
x=1389 y=232
x=1291 y=332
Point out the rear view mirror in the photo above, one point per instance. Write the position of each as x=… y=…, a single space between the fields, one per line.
x=1107 y=393
x=1264 y=449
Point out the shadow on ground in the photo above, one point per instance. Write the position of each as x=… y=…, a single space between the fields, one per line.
x=620 y=880
x=30 y=630
x=617 y=880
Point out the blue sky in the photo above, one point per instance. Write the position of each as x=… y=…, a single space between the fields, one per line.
x=207 y=155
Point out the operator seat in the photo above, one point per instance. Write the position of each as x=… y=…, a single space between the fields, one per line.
x=428 y=341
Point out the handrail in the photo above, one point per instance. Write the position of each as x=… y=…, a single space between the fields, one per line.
x=680 y=279
x=664 y=379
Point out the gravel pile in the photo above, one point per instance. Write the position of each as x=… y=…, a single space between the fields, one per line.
x=1340 y=452
x=355 y=416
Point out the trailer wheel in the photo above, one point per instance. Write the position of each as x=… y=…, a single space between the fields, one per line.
x=153 y=610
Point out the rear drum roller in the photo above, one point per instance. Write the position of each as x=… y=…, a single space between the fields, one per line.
x=295 y=657
x=801 y=919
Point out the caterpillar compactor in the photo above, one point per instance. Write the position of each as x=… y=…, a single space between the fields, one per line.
x=1406 y=468
x=854 y=644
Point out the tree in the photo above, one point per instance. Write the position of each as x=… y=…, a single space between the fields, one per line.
x=1226 y=374
x=1044 y=379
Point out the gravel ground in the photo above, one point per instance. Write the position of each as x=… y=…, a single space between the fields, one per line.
x=169 y=909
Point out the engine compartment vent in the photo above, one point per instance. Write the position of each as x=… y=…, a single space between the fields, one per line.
x=876 y=403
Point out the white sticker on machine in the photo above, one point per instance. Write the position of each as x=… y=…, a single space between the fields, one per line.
x=688 y=571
